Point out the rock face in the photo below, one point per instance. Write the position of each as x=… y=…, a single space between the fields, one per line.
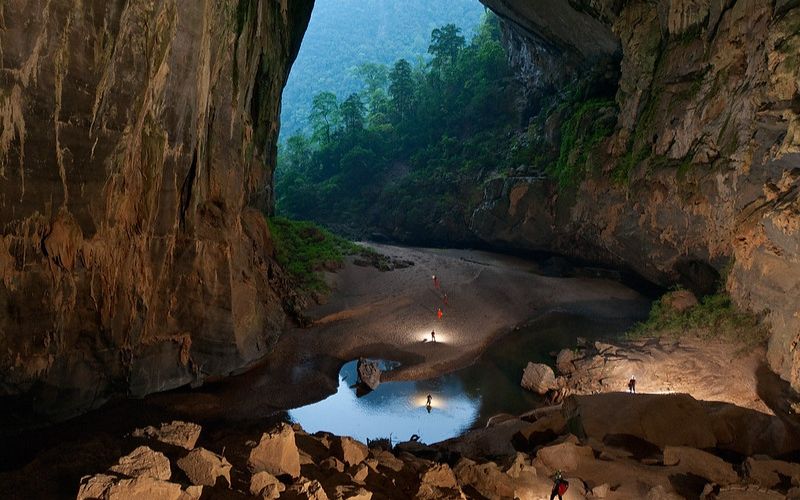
x=136 y=151
x=700 y=173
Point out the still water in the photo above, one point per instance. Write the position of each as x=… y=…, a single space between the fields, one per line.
x=460 y=400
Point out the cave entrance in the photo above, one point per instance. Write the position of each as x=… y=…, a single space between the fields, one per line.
x=392 y=109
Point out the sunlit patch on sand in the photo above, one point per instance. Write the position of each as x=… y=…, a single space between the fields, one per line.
x=443 y=336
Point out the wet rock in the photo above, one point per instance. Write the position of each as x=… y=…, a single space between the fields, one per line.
x=348 y=450
x=767 y=472
x=144 y=462
x=539 y=378
x=369 y=373
x=176 y=433
x=204 y=467
x=668 y=419
x=266 y=486
x=700 y=463
x=679 y=300
x=276 y=453
x=305 y=489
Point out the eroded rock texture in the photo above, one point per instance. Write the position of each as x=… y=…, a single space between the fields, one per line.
x=703 y=168
x=136 y=148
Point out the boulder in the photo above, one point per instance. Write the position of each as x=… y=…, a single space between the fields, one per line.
x=194 y=492
x=305 y=489
x=565 y=360
x=176 y=433
x=369 y=373
x=143 y=462
x=701 y=463
x=103 y=487
x=661 y=493
x=346 y=492
x=679 y=300
x=204 y=467
x=486 y=479
x=388 y=460
x=748 y=493
x=332 y=464
x=566 y=456
x=348 y=450
x=521 y=465
x=266 y=486
x=539 y=378
x=768 y=472
x=601 y=491
x=437 y=481
x=661 y=419
x=360 y=473
x=276 y=453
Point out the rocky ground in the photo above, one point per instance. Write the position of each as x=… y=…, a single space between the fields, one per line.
x=611 y=445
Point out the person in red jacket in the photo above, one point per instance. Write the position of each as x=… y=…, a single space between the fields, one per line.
x=435 y=281
x=439 y=313
x=560 y=486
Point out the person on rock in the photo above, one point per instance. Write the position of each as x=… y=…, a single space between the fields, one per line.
x=632 y=385
x=439 y=313
x=560 y=486
x=433 y=336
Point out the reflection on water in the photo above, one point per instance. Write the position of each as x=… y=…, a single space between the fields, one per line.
x=462 y=399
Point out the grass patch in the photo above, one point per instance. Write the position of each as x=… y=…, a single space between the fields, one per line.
x=715 y=317
x=304 y=249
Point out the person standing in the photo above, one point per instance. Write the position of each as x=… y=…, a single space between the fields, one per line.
x=435 y=282
x=433 y=335
x=560 y=486
x=445 y=299
x=439 y=313
x=632 y=385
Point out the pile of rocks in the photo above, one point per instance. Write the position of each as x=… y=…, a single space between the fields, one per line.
x=607 y=445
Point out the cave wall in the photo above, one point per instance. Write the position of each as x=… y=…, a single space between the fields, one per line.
x=703 y=167
x=136 y=148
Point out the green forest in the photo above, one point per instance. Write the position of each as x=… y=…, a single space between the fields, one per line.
x=405 y=149
x=360 y=31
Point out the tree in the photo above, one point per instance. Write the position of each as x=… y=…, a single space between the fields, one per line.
x=375 y=77
x=446 y=43
x=401 y=88
x=324 y=116
x=352 y=111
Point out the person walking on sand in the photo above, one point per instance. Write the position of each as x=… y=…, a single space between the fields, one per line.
x=435 y=282
x=560 y=486
x=439 y=313
x=433 y=335
x=632 y=385
x=445 y=299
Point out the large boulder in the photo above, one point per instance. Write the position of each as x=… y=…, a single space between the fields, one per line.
x=265 y=485
x=566 y=456
x=305 y=489
x=204 y=467
x=701 y=463
x=661 y=419
x=144 y=462
x=369 y=373
x=348 y=450
x=539 y=378
x=437 y=481
x=767 y=472
x=276 y=453
x=176 y=433
x=486 y=478
x=679 y=300
x=104 y=487
x=347 y=492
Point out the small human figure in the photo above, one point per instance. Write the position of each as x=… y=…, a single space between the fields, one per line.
x=429 y=403
x=439 y=313
x=445 y=299
x=433 y=336
x=632 y=385
x=560 y=486
x=435 y=281
x=429 y=408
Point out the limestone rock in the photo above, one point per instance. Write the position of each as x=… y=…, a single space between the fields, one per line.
x=679 y=300
x=701 y=463
x=360 y=472
x=177 y=433
x=203 y=467
x=105 y=487
x=661 y=493
x=348 y=450
x=539 y=378
x=486 y=478
x=668 y=419
x=566 y=456
x=332 y=463
x=276 y=453
x=388 y=460
x=194 y=492
x=305 y=489
x=748 y=493
x=369 y=373
x=266 y=486
x=767 y=472
x=345 y=492
x=437 y=481
x=565 y=360
x=601 y=491
x=144 y=462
